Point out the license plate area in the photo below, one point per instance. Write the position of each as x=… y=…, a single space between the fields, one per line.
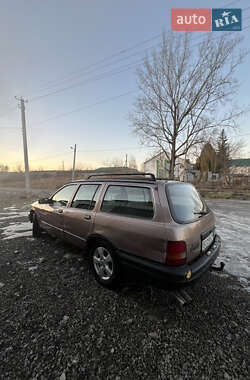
x=206 y=241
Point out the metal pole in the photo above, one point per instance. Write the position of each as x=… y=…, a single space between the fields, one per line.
x=74 y=163
x=25 y=147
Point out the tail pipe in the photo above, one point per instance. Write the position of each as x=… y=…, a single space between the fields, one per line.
x=219 y=268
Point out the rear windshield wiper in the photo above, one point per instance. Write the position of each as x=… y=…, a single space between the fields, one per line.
x=201 y=213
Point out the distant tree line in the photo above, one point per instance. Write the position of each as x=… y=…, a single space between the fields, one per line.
x=4 y=168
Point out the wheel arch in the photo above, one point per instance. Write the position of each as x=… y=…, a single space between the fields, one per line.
x=92 y=239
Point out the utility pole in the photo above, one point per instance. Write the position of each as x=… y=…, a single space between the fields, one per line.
x=126 y=161
x=74 y=162
x=25 y=147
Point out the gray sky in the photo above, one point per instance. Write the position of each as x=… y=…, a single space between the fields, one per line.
x=81 y=51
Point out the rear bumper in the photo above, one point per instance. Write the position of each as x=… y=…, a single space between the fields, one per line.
x=174 y=274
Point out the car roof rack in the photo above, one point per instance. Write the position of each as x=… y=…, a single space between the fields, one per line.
x=152 y=176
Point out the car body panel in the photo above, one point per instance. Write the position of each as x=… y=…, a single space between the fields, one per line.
x=140 y=237
x=191 y=234
x=50 y=219
x=77 y=225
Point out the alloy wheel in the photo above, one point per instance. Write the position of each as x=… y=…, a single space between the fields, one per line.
x=103 y=263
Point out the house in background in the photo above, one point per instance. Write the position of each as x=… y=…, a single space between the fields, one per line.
x=159 y=165
x=240 y=166
x=240 y=171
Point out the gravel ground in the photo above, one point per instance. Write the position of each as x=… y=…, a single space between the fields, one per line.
x=56 y=322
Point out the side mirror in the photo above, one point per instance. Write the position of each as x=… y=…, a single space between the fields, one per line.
x=43 y=201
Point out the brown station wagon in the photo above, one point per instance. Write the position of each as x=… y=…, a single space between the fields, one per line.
x=161 y=227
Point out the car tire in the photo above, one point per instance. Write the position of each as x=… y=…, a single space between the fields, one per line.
x=105 y=264
x=36 y=229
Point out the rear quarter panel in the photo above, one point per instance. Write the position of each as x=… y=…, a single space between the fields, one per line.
x=191 y=234
x=141 y=237
x=188 y=232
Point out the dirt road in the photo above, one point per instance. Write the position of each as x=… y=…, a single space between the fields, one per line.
x=56 y=322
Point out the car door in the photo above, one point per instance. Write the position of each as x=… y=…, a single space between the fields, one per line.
x=80 y=215
x=51 y=215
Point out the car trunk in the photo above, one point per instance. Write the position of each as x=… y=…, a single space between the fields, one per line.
x=193 y=222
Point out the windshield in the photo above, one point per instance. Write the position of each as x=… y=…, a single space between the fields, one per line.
x=185 y=202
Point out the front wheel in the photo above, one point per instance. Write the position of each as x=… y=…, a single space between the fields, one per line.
x=36 y=229
x=105 y=264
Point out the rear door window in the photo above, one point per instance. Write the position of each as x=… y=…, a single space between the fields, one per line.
x=185 y=202
x=128 y=201
x=86 y=197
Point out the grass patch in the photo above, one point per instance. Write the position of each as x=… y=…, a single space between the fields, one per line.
x=220 y=194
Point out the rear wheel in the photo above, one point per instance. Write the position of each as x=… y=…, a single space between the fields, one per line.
x=105 y=264
x=36 y=229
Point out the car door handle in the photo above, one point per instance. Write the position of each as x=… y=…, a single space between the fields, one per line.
x=60 y=211
x=87 y=217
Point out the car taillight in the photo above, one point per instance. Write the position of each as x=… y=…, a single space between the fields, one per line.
x=176 y=253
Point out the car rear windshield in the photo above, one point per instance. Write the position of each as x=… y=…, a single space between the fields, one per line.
x=185 y=202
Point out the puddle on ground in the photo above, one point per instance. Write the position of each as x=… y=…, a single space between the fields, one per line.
x=16 y=230
x=12 y=215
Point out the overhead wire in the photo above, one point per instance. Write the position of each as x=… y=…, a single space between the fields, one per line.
x=92 y=66
x=105 y=100
x=85 y=107
x=103 y=75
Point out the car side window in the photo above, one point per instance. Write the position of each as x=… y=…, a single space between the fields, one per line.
x=86 y=197
x=128 y=200
x=63 y=196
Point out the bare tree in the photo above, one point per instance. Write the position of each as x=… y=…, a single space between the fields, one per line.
x=19 y=168
x=4 y=168
x=183 y=93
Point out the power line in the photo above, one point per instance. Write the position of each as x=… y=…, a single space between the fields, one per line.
x=121 y=69
x=101 y=76
x=84 y=107
x=103 y=101
x=94 y=79
x=92 y=67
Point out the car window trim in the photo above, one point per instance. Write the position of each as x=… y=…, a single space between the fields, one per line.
x=171 y=207
x=61 y=188
x=85 y=184
x=128 y=216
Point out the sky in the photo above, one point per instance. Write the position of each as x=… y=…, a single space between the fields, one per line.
x=75 y=64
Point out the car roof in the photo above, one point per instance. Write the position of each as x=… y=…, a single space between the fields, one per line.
x=122 y=180
x=128 y=178
x=119 y=180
